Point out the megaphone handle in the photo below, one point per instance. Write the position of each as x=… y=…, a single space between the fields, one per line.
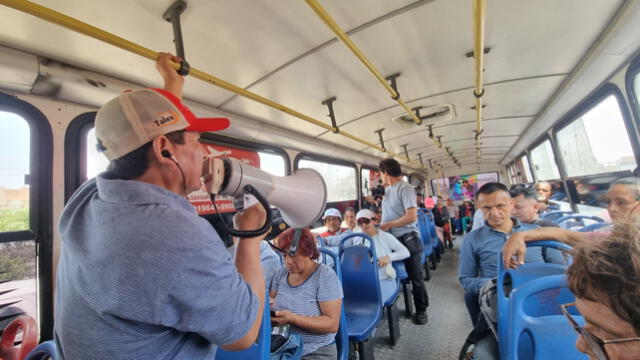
x=248 y=233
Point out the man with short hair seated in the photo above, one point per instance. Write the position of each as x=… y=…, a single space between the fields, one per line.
x=480 y=248
x=526 y=206
x=604 y=277
x=350 y=218
x=388 y=250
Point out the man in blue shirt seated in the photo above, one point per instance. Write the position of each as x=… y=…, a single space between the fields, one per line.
x=141 y=276
x=480 y=248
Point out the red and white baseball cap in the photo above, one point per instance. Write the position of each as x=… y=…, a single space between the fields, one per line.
x=136 y=117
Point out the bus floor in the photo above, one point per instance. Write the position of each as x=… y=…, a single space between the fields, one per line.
x=449 y=324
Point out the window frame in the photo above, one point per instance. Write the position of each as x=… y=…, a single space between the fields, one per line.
x=332 y=161
x=634 y=103
x=539 y=142
x=587 y=105
x=360 y=178
x=75 y=152
x=40 y=204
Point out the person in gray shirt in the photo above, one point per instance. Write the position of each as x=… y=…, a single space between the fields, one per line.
x=399 y=217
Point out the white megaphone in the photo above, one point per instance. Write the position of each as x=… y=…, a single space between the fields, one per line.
x=300 y=197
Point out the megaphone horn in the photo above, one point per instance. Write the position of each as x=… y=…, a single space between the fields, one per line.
x=301 y=197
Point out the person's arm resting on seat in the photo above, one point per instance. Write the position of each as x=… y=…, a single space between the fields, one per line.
x=514 y=249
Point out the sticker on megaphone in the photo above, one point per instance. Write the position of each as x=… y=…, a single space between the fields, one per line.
x=244 y=201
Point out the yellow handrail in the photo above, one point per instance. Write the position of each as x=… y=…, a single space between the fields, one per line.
x=99 y=34
x=478 y=55
x=346 y=40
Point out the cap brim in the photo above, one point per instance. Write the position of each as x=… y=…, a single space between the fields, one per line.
x=207 y=124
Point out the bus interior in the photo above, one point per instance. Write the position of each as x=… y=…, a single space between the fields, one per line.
x=459 y=92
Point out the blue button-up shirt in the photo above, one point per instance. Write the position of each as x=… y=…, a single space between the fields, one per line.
x=480 y=250
x=141 y=276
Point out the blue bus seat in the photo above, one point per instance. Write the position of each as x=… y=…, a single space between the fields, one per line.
x=509 y=280
x=361 y=286
x=554 y=215
x=261 y=349
x=538 y=329
x=46 y=350
x=403 y=277
x=427 y=244
x=342 y=336
x=593 y=227
x=573 y=220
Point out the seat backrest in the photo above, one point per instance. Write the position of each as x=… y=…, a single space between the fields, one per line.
x=510 y=280
x=425 y=233
x=569 y=221
x=46 y=350
x=261 y=349
x=342 y=336
x=554 y=215
x=29 y=338
x=593 y=227
x=435 y=241
x=359 y=267
x=536 y=311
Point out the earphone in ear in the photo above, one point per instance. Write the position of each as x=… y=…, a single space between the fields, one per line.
x=167 y=154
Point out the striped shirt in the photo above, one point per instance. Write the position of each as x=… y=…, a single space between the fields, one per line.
x=304 y=299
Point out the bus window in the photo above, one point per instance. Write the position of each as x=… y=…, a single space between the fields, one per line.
x=340 y=179
x=272 y=163
x=18 y=259
x=527 y=169
x=96 y=162
x=586 y=146
x=543 y=162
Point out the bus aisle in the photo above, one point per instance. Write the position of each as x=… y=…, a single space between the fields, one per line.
x=449 y=325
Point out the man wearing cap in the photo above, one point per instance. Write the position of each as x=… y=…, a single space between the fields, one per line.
x=388 y=249
x=141 y=276
x=399 y=216
x=334 y=234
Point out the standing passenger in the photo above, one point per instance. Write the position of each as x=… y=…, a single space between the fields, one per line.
x=141 y=276
x=399 y=216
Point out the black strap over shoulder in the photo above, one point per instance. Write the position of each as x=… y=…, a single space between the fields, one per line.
x=294 y=244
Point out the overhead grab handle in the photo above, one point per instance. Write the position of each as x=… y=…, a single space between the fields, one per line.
x=379 y=131
x=329 y=102
x=172 y=15
x=346 y=40
x=406 y=152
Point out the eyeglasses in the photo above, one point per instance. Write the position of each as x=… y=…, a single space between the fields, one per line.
x=596 y=344
x=364 y=221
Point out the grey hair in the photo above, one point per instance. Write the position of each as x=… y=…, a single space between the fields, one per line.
x=630 y=181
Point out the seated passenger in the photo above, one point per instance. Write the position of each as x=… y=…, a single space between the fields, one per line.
x=544 y=189
x=480 y=248
x=526 y=206
x=308 y=296
x=350 y=218
x=269 y=259
x=623 y=199
x=388 y=249
x=604 y=277
x=334 y=234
